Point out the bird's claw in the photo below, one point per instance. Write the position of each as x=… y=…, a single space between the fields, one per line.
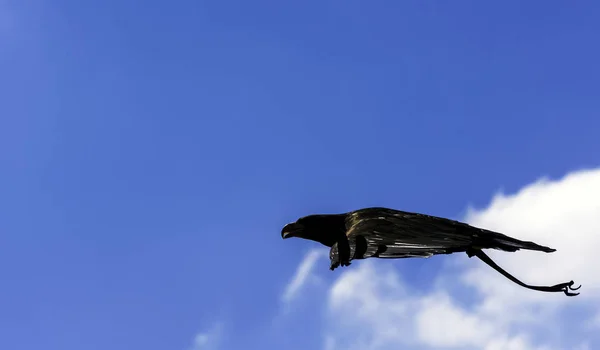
x=337 y=264
x=566 y=288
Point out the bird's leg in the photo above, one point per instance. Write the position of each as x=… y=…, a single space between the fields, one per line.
x=334 y=257
x=344 y=251
x=340 y=253
x=561 y=287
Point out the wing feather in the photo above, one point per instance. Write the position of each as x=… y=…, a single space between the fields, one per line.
x=406 y=234
x=396 y=234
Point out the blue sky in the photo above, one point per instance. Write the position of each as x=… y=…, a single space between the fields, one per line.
x=150 y=152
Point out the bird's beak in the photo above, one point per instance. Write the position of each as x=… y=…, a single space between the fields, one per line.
x=291 y=230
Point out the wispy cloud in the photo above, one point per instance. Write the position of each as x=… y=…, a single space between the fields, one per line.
x=207 y=339
x=303 y=272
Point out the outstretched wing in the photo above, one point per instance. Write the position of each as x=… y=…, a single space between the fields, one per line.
x=388 y=233
x=398 y=234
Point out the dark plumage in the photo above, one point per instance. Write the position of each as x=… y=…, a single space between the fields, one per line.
x=388 y=233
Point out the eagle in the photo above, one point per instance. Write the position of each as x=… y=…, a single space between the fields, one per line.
x=385 y=233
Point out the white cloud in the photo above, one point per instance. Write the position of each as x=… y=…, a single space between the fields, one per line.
x=370 y=308
x=562 y=214
x=371 y=304
x=437 y=314
x=207 y=340
x=303 y=272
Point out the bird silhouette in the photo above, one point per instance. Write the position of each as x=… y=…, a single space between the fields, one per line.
x=392 y=234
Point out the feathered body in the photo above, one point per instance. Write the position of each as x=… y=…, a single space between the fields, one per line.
x=387 y=233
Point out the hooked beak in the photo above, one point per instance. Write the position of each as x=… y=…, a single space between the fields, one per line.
x=291 y=230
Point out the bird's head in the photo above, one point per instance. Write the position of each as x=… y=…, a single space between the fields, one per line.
x=293 y=229
x=324 y=229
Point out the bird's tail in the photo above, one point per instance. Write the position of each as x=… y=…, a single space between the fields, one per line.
x=495 y=240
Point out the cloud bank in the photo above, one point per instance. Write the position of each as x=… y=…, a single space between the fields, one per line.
x=477 y=308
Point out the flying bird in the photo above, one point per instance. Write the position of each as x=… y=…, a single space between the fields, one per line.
x=390 y=234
